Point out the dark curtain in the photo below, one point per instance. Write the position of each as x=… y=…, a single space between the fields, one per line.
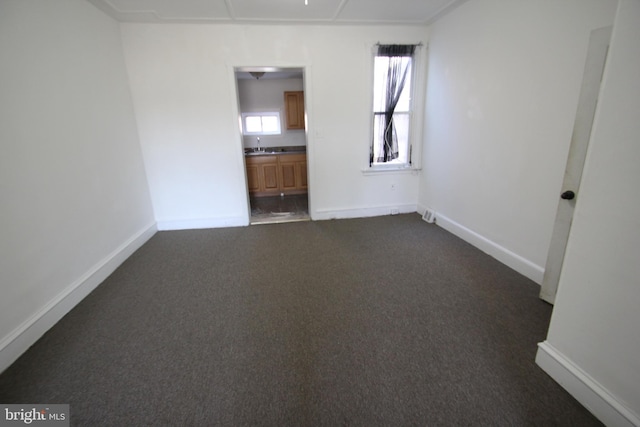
x=396 y=77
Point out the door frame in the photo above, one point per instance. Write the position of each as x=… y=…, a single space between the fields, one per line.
x=306 y=72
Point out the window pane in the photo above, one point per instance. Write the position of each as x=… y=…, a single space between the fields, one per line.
x=381 y=65
x=380 y=81
x=378 y=136
x=253 y=124
x=267 y=123
x=405 y=99
x=401 y=122
x=270 y=124
x=401 y=125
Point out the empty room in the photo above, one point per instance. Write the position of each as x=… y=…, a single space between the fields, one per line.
x=319 y=212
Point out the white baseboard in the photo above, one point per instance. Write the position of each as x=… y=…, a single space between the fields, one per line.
x=30 y=331
x=504 y=255
x=191 y=224
x=591 y=394
x=362 y=212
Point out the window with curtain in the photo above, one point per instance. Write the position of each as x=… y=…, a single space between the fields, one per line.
x=390 y=144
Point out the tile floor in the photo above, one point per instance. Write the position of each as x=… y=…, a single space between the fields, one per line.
x=268 y=210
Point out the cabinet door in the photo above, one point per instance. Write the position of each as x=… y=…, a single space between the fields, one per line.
x=294 y=107
x=262 y=175
x=293 y=173
x=253 y=180
x=288 y=174
x=270 y=172
x=301 y=170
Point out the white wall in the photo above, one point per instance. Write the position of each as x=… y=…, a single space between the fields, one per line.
x=268 y=95
x=75 y=200
x=504 y=80
x=184 y=95
x=593 y=337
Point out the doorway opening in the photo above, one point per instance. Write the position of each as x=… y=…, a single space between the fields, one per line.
x=274 y=139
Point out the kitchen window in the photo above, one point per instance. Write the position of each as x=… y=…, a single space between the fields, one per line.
x=261 y=123
x=392 y=90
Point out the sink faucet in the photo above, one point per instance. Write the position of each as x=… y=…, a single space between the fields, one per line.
x=258 y=145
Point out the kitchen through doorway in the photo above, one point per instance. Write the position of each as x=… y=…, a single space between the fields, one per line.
x=274 y=139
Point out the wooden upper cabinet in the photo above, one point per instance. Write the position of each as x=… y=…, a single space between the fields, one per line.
x=294 y=107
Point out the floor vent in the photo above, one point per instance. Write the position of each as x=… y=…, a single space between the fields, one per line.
x=429 y=216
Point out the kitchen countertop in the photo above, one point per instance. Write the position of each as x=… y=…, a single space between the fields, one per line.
x=296 y=149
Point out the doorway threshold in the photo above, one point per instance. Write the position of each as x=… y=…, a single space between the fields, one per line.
x=278 y=220
x=278 y=209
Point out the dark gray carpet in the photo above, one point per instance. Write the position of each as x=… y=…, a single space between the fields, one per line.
x=385 y=321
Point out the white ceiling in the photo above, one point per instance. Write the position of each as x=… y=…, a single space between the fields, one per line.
x=413 y=12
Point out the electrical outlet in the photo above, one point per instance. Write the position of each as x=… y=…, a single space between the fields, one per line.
x=393 y=187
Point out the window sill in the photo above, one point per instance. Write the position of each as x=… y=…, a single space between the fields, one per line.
x=392 y=169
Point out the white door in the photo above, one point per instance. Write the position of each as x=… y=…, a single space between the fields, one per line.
x=593 y=70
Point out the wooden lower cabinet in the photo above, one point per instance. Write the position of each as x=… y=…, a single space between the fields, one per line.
x=253 y=180
x=275 y=175
x=270 y=172
x=262 y=175
x=293 y=173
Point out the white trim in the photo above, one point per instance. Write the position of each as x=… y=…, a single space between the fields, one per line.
x=362 y=212
x=198 y=223
x=30 y=331
x=398 y=169
x=502 y=254
x=590 y=393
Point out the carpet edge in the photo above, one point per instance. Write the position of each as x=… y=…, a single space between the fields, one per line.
x=13 y=345
x=511 y=259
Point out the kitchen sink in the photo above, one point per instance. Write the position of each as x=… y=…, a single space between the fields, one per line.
x=253 y=151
